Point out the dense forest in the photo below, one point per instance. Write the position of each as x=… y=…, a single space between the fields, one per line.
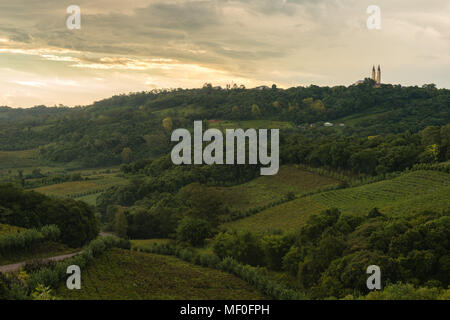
x=135 y=126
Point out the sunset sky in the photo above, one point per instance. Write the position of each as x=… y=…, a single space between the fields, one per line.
x=136 y=45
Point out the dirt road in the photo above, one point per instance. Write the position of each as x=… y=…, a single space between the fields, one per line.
x=16 y=266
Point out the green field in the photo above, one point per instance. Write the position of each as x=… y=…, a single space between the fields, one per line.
x=27 y=160
x=408 y=194
x=80 y=189
x=18 y=159
x=123 y=275
x=254 y=124
x=357 y=118
x=148 y=243
x=267 y=189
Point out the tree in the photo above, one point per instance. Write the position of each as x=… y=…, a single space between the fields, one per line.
x=256 y=112
x=276 y=105
x=203 y=202
x=318 y=106
x=167 y=124
x=126 y=155
x=431 y=135
x=193 y=230
x=120 y=224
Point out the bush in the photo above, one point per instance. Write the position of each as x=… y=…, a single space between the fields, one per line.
x=275 y=247
x=25 y=241
x=291 y=260
x=402 y=291
x=243 y=246
x=193 y=230
x=37 y=265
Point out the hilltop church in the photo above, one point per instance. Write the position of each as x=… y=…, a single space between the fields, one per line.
x=376 y=76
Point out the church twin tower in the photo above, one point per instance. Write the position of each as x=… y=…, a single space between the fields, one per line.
x=376 y=76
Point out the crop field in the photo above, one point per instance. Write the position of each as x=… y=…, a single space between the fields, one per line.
x=358 y=118
x=403 y=191
x=78 y=189
x=266 y=189
x=148 y=243
x=13 y=160
x=28 y=160
x=179 y=111
x=6 y=229
x=410 y=193
x=254 y=124
x=123 y=274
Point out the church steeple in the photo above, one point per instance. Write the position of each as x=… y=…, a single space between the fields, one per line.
x=379 y=76
x=373 y=73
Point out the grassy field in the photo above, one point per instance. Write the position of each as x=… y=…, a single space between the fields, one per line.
x=19 y=159
x=254 y=124
x=266 y=189
x=148 y=243
x=123 y=274
x=7 y=229
x=27 y=160
x=411 y=192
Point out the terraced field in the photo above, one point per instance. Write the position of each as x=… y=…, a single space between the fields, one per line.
x=397 y=193
x=123 y=274
x=411 y=192
x=266 y=189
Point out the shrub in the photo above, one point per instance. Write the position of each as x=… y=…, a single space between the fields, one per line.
x=242 y=246
x=25 y=241
x=291 y=260
x=275 y=247
x=193 y=230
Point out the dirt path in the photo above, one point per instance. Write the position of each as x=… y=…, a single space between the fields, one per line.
x=16 y=266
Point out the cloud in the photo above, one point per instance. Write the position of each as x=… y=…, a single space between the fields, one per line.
x=188 y=42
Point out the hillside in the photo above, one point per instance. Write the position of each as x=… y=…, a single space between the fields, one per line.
x=123 y=275
x=371 y=189
x=408 y=194
x=96 y=135
x=264 y=190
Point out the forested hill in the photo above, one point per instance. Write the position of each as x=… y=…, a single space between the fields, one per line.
x=130 y=127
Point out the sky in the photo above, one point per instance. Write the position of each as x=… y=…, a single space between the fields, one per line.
x=140 y=45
